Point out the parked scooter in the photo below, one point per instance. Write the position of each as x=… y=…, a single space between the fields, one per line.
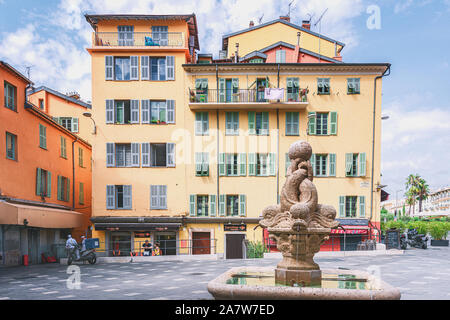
x=413 y=239
x=87 y=255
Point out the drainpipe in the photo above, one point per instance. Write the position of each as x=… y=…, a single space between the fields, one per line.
x=73 y=173
x=373 y=134
x=278 y=140
x=218 y=155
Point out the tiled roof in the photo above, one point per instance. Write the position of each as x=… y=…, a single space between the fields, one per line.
x=62 y=96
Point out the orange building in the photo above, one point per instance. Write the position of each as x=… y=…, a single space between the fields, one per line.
x=45 y=177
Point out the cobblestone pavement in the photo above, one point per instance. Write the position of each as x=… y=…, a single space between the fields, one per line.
x=419 y=274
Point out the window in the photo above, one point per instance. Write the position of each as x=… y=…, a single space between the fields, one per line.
x=353 y=86
x=158 y=111
x=123 y=155
x=292 y=123
x=41 y=104
x=125 y=35
x=80 y=158
x=158 y=69
x=350 y=206
x=201 y=123
x=11 y=146
x=355 y=164
x=280 y=56
x=258 y=123
x=232 y=123
x=158 y=197
x=292 y=85
x=122 y=111
x=160 y=35
x=202 y=206
x=229 y=90
x=81 y=193
x=320 y=165
x=162 y=155
x=43 y=183
x=322 y=123
x=232 y=164
x=201 y=90
x=42 y=136
x=122 y=68
x=323 y=86
x=10 y=93
x=201 y=164
x=63 y=147
x=63 y=188
x=262 y=164
x=232 y=205
x=118 y=197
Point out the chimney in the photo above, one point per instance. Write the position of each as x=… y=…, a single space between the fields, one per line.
x=251 y=24
x=73 y=95
x=286 y=18
x=306 y=24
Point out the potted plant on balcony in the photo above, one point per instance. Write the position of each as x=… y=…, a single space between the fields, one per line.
x=439 y=231
x=303 y=94
x=192 y=96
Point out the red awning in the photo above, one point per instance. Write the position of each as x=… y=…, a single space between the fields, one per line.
x=361 y=230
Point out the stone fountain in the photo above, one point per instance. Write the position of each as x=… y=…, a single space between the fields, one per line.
x=299 y=224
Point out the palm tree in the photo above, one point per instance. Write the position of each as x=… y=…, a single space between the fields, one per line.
x=411 y=194
x=422 y=190
x=410 y=200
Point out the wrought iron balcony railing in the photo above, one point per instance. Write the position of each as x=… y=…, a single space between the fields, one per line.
x=245 y=96
x=136 y=39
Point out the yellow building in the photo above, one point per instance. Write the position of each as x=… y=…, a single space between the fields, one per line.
x=190 y=149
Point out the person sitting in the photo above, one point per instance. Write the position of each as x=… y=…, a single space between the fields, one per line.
x=147 y=248
x=72 y=245
x=156 y=250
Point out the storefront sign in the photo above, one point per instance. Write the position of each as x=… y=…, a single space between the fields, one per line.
x=353 y=222
x=234 y=227
x=142 y=235
x=392 y=240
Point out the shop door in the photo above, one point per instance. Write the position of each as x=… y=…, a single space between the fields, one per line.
x=234 y=243
x=33 y=246
x=351 y=242
x=121 y=244
x=201 y=243
x=167 y=243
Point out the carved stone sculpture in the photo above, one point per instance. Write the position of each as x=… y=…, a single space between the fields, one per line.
x=299 y=224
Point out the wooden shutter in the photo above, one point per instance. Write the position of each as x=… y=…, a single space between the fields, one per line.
x=170 y=111
x=242 y=202
x=362 y=206
x=192 y=202
x=272 y=164
x=205 y=164
x=162 y=197
x=110 y=155
x=295 y=123
x=74 y=125
x=212 y=205
x=333 y=123
x=222 y=168
x=198 y=123
x=134 y=68
x=362 y=164
x=58 y=195
x=154 y=198
x=145 y=154
x=251 y=123
x=38 y=181
x=49 y=184
x=198 y=163
x=145 y=111
x=222 y=205
x=341 y=206
x=311 y=123
x=109 y=111
x=110 y=197
x=265 y=123
x=348 y=163
x=68 y=190
x=135 y=155
x=332 y=163
x=127 y=197
x=81 y=193
x=235 y=89
x=170 y=65
x=109 y=68
x=222 y=91
x=170 y=153
x=252 y=164
x=134 y=111
x=242 y=163
x=313 y=163
x=145 y=69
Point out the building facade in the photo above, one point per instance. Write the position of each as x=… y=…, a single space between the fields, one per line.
x=45 y=176
x=191 y=149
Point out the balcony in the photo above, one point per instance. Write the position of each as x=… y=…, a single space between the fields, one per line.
x=139 y=39
x=245 y=99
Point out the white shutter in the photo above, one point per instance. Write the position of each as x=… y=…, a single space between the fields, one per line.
x=170 y=154
x=135 y=154
x=163 y=197
x=170 y=65
x=134 y=111
x=145 y=68
x=74 y=125
x=170 y=111
x=145 y=111
x=109 y=111
x=145 y=154
x=154 y=199
x=110 y=159
x=109 y=68
x=134 y=68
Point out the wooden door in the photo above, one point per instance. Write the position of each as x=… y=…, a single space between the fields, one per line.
x=234 y=244
x=201 y=243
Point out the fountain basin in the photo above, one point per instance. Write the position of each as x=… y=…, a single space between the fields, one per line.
x=250 y=283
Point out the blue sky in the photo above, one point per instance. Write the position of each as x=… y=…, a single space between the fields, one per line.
x=414 y=37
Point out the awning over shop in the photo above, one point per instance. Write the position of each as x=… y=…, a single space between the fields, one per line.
x=113 y=226
x=353 y=230
x=40 y=217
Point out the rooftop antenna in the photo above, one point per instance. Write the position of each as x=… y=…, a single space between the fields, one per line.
x=260 y=19
x=28 y=71
x=289 y=11
x=319 y=21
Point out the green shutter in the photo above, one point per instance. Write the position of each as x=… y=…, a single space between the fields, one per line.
x=362 y=164
x=49 y=184
x=242 y=164
x=287 y=162
x=38 y=181
x=272 y=164
x=311 y=123
x=332 y=162
x=348 y=163
x=222 y=171
x=333 y=123
x=265 y=123
x=289 y=82
x=198 y=164
x=68 y=190
x=222 y=95
x=59 y=188
x=252 y=164
x=81 y=193
x=235 y=92
x=222 y=205
x=313 y=163
x=198 y=83
x=242 y=203
x=212 y=205
x=362 y=206
x=341 y=206
x=251 y=123
x=192 y=200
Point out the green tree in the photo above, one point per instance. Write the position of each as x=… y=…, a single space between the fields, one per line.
x=422 y=190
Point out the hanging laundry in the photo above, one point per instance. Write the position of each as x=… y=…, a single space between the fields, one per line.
x=274 y=93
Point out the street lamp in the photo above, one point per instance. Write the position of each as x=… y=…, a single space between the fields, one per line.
x=89 y=115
